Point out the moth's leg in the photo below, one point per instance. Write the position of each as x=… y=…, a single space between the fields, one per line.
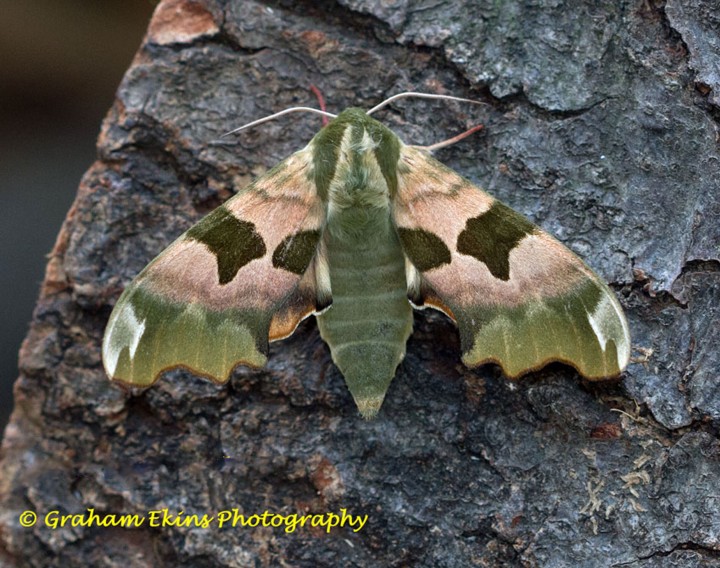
x=321 y=103
x=449 y=141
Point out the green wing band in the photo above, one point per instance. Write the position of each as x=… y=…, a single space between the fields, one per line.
x=148 y=335
x=583 y=328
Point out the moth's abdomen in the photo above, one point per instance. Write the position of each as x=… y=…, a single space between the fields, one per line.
x=370 y=318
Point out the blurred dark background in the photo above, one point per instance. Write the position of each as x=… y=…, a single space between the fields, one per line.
x=61 y=63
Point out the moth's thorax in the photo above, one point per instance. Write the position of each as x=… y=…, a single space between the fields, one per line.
x=355 y=168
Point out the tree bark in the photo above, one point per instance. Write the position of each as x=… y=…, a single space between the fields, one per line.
x=600 y=125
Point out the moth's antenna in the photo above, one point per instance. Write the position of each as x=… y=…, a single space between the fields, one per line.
x=421 y=96
x=278 y=114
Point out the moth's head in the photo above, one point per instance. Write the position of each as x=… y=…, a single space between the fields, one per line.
x=354 y=131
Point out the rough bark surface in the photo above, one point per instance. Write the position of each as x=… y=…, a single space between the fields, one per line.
x=601 y=125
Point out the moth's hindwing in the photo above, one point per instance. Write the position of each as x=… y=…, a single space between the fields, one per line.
x=520 y=298
x=243 y=275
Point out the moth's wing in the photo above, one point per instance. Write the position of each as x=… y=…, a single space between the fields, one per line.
x=520 y=298
x=243 y=275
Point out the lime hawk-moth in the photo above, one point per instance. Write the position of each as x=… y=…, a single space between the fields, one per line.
x=359 y=228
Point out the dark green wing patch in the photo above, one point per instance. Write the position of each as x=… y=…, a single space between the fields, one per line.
x=295 y=252
x=234 y=242
x=491 y=236
x=424 y=249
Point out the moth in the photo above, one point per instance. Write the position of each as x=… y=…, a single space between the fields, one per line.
x=358 y=229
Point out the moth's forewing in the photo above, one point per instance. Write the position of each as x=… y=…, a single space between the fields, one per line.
x=520 y=298
x=215 y=296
